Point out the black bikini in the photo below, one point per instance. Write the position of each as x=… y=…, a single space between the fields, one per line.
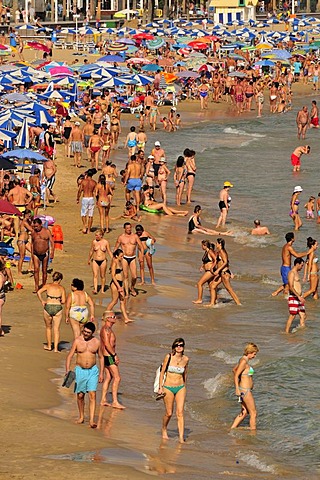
x=99 y=262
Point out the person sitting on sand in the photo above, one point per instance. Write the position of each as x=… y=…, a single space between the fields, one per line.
x=259 y=230
x=111 y=361
x=87 y=347
x=194 y=224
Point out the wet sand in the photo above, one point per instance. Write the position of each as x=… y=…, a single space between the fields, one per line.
x=27 y=388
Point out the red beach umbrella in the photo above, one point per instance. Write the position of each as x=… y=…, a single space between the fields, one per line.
x=9 y=208
x=143 y=36
x=198 y=45
x=38 y=46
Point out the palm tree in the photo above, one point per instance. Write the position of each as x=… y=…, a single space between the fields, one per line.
x=165 y=8
x=150 y=4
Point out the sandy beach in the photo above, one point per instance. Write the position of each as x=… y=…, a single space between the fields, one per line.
x=37 y=418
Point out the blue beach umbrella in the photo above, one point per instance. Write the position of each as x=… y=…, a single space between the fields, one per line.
x=23 y=139
x=140 y=79
x=24 y=153
x=265 y=63
x=152 y=67
x=111 y=58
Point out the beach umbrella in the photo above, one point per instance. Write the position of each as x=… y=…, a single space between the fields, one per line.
x=140 y=79
x=53 y=94
x=38 y=46
x=127 y=41
x=124 y=13
x=25 y=26
x=24 y=153
x=237 y=74
x=281 y=53
x=152 y=67
x=143 y=36
x=264 y=46
x=111 y=58
x=187 y=74
x=112 y=82
x=184 y=51
x=23 y=139
x=17 y=97
x=68 y=31
x=88 y=31
x=117 y=47
x=6 y=164
x=156 y=43
x=138 y=60
x=61 y=71
x=265 y=63
x=6 y=135
x=8 y=208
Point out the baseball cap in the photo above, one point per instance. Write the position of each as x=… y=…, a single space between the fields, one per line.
x=157 y=144
x=227 y=184
x=150 y=156
x=77 y=123
x=297 y=189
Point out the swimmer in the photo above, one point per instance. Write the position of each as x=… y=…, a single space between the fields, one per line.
x=295 y=299
x=259 y=230
x=296 y=156
x=303 y=121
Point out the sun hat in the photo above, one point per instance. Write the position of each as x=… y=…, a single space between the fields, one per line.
x=227 y=184
x=297 y=189
x=150 y=156
x=157 y=144
x=77 y=124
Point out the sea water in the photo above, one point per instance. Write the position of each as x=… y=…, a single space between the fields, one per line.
x=254 y=155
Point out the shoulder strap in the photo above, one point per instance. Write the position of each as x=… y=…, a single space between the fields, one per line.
x=168 y=362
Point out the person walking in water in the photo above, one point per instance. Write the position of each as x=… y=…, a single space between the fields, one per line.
x=243 y=381
x=296 y=156
x=295 y=300
x=224 y=204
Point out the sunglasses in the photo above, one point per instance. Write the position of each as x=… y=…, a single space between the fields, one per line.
x=113 y=317
x=179 y=345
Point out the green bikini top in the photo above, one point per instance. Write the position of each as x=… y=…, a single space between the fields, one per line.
x=250 y=373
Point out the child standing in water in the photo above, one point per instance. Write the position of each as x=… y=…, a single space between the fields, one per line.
x=310 y=207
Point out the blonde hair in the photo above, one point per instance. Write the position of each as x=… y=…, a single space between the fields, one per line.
x=99 y=231
x=251 y=348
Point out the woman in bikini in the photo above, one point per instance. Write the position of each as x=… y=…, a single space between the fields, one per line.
x=163 y=174
x=106 y=138
x=66 y=132
x=110 y=172
x=148 y=202
x=115 y=130
x=179 y=178
x=154 y=112
x=222 y=274
x=204 y=95
x=172 y=388
x=98 y=255
x=294 y=207
x=25 y=227
x=311 y=270
x=103 y=194
x=194 y=224
x=3 y=279
x=131 y=141
x=209 y=261
x=224 y=204
x=148 y=242
x=116 y=285
x=77 y=313
x=53 y=309
x=191 y=171
x=243 y=381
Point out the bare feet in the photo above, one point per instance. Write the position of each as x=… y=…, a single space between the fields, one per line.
x=141 y=283
x=45 y=347
x=79 y=421
x=165 y=434
x=93 y=425
x=133 y=292
x=1 y=333
x=56 y=351
x=105 y=404
x=128 y=320
x=118 y=405
x=197 y=302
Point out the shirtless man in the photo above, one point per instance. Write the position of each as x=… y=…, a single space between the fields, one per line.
x=87 y=347
x=133 y=180
x=295 y=299
x=86 y=188
x=148 y=103
x=41 y=247
x=95 y=145
x=87 y=131
x=314 y=114
x=303 y=121
x=259 y=230
x=157 y=153
x=287 y=253
x=49 y=171
x=128 y=242
x=216 y=84
x=97 y=118
x=20 y=197
x=76 y=141
x=111 y=361
x=296 y=156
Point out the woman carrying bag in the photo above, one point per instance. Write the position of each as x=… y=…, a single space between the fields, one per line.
x=173 y=388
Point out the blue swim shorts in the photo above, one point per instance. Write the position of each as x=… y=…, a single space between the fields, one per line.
x=134 y=184
x=86 y=379
x=284 y=274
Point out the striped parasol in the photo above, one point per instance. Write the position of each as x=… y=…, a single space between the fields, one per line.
x=156 y=43
x=117 y=47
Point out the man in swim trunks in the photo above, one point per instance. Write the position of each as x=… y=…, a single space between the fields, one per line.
x=87 y=131
x=86 y=189
x=296 y=155
x=295 y=299
x=259 y=230
x=157 y=153
x=287 y=253
x=303 y=121
x=76 y=139
x=41 y=247
x=133 y=180
x=314 y=114
x=20 y=197
x=111 y=361
x=128 y=242
x=87 y=347
x=95 y=145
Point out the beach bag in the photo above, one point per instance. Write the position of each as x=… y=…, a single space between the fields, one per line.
x=157 y=377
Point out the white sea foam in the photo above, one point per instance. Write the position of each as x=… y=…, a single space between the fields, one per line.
x=235 y=131
x=226 y=357
x=214 y=385
x=253 y=460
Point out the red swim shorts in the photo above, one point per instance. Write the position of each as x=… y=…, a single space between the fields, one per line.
x=295 y=160
x=315 y=121
x=295 y=306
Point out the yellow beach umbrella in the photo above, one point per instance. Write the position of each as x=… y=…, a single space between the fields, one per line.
x=264 y=46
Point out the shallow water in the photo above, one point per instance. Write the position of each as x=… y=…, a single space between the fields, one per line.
x=255 y=156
